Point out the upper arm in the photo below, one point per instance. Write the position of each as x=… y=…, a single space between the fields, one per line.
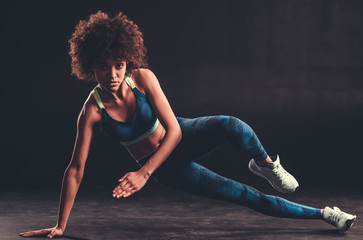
x=157 y=98
x=86 y=122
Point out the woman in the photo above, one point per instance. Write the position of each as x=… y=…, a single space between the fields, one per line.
x=129 y=105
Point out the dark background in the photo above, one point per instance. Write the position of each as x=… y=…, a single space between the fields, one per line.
x=291 y=69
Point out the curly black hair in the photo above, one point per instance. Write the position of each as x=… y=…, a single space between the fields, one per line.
x=103 y=37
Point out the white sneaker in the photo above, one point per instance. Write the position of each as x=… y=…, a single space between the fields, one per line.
x=341 y=220
x=277 y=176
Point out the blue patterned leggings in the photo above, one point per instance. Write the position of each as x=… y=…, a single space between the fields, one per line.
x=201 y=136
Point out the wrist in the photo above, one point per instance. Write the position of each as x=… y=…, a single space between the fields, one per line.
x=145 y=172
x=61 y=227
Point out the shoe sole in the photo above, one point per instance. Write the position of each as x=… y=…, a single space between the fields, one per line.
x=348 y=224
x=250 y=167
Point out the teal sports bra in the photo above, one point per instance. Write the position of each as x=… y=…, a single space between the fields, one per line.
x=143 y=123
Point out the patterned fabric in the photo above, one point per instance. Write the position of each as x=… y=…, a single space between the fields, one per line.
x=201 y=136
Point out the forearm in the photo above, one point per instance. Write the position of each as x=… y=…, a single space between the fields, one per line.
x=171 y=140
x=71 y=181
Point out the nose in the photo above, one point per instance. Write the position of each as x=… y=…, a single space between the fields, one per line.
x=113 y=72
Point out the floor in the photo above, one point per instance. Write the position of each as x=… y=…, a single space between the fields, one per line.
x=157 y=212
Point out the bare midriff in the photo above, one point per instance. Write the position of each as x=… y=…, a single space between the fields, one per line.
x=148 y=145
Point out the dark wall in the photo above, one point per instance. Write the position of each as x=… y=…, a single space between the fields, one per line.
x=291 y=69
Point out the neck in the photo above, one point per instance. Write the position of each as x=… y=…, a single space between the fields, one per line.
x=115 y=95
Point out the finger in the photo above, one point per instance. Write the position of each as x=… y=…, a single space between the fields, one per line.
x=130 y=193
x=126 y=191
x=115 y=194
x=124 y=187
x=121 y=179
x=24 y=234
x=120 y=187
x=120 y=194
x=123 y=183
x=115 y=190
x=41 y=232
x=51 y=235
x=32 y=233
x=28 y=234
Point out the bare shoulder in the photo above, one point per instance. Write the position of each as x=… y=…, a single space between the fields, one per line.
x=90 y=112
x=144 y=79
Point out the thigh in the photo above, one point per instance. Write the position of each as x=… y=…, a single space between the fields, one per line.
x=200 y=136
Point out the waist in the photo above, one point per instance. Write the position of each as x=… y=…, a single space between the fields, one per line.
x=147 y=143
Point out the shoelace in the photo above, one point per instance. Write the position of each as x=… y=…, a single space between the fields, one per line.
x=280 y=172
x=335 y=215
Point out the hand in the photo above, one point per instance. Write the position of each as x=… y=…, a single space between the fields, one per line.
x=51 y=232
x=130 y=183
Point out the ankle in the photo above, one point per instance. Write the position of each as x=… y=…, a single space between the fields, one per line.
x=264 y=163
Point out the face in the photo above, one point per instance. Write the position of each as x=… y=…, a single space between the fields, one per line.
x=109 y=73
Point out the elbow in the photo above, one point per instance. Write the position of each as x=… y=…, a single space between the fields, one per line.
x=75 y=173
x=79 y=177
x=178 y=134
x=174 y=133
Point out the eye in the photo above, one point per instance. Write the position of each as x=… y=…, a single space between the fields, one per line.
x=102 y=66
x=119 y=65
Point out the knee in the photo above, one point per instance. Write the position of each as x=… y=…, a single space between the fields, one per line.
x=223 y=121
x=236 y=126
x=223 y=124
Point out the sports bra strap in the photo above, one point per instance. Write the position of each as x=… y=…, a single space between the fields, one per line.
x=129 y=81
x=98 y=98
